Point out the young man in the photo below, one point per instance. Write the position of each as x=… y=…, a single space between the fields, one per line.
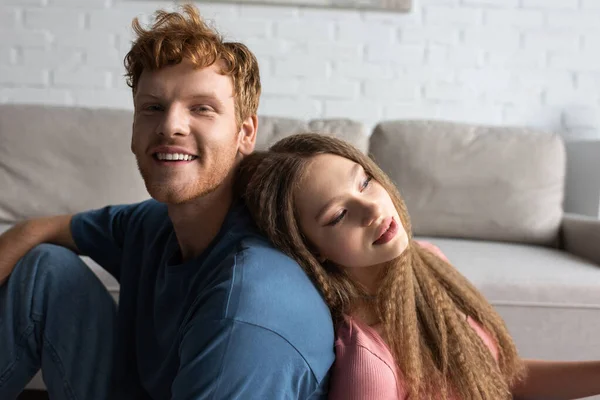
x=208 y=309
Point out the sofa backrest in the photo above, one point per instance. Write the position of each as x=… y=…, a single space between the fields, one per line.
x=478 y=182
x=56 y=160
x=458 y=180
x=272 y=129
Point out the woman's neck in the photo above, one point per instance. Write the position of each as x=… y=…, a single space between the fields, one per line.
x=367 y=277
x=365 y=312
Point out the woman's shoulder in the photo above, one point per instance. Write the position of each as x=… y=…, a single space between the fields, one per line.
x=432 y=248
x=352 y=332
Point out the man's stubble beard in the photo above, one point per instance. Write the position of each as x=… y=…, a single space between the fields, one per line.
x=206 y=184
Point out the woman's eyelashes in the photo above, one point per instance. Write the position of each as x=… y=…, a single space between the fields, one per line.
x=364 y=185
x=337 y=219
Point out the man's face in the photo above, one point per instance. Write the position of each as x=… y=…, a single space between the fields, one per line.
x=185 y=136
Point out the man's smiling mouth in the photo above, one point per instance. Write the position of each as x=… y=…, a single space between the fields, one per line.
x=174 y=157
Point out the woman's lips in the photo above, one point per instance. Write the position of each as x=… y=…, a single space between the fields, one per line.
x=388 y=234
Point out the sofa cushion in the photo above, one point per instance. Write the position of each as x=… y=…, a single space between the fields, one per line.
x=351 y=131
x=56 y=160
x=272 y=129
x=546 y=296
x=479 y=182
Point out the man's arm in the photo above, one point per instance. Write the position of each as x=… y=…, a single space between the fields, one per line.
x=228 y=359
x=24 y=236
x=557 y=380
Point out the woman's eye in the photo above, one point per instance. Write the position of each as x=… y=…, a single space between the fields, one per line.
x=366 y=183
x=337 y=219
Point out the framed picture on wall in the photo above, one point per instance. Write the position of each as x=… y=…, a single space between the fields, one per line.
x=375 y=5
x=382 y=5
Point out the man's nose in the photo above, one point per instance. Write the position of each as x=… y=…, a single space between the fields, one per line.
x=174 y=122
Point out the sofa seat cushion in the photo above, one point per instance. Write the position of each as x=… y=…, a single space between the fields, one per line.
x=523 y=274
x=111 y=284
x=546 y=296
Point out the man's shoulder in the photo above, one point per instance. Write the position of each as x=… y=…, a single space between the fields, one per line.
x=255 y=248
x=263 y=265
x=270 y=290
x=149 y=212
x=145 y=219
x=268 y=274
x=142 y=213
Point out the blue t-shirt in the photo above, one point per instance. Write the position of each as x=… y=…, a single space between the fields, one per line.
x=241 y=321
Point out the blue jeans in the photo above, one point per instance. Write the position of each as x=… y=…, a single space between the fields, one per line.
x=56 y=315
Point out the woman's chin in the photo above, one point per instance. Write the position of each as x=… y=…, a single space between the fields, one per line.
x=398 y=246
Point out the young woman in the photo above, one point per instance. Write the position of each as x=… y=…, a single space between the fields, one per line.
x=408 y=325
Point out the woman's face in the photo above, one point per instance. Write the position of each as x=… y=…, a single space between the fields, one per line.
x=346 y=215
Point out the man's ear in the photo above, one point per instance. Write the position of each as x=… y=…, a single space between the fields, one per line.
x=247 y=135
x=131 y=145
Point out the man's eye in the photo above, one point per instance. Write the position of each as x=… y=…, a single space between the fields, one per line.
x=153 y=107
x=337 y=219
x=202 y=109
x=366 y=183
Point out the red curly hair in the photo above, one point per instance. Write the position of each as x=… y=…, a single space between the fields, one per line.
x=176 y=36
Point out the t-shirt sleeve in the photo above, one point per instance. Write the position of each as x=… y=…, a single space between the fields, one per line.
x=229 y=359
x=359 y=374
x=100 y=235
x=433 y=248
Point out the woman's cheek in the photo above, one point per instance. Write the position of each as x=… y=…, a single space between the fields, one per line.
x=348 y=245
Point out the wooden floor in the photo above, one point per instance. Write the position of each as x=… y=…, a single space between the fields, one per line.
x=33 y=395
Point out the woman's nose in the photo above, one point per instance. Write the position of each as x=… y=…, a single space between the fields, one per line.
x=370 y=212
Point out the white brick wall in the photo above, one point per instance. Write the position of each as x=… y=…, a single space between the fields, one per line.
x=527 y=62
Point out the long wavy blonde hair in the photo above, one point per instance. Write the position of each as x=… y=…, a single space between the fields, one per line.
x=421 y=300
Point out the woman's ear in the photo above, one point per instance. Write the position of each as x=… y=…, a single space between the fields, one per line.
x=320 y=258
x=313 y=249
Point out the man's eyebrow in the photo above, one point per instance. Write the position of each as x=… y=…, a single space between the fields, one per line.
x=146 y=95
x=194 y=97
x=353 y=173
x=205 y=96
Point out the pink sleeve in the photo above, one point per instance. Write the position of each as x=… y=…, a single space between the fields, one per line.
x=358 y=374
x=485 y=336
x=433 y=248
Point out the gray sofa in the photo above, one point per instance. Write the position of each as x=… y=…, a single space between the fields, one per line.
x=490 y=198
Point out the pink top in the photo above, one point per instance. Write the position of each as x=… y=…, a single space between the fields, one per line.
x=364 y=367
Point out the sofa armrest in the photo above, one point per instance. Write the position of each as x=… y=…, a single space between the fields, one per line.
x=581 y=236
